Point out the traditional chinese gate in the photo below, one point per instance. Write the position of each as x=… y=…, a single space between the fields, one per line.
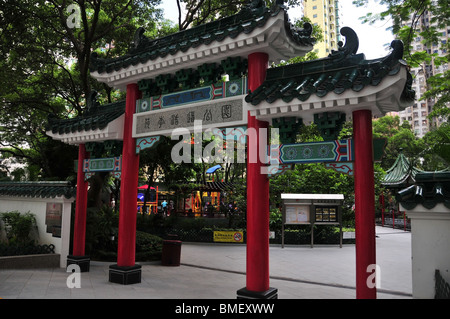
x=175 y=81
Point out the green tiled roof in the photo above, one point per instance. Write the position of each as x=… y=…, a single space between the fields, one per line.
x=340 y=71
x=254 y=15
x=401 y=174
x=96 y=117
x=430 y=189
x=37 y=189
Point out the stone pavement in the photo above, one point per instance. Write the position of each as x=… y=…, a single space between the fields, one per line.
x=217 y=271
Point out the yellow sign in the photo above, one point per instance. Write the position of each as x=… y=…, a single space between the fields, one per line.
x=229 y=236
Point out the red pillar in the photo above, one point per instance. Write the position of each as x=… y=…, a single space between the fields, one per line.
x=129 y=183
x=257 y=284
x=364 y=204
x=79 y=234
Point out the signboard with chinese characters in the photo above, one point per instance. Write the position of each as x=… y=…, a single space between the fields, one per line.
x=109 y=164
x=227 y=112
x=207 y=93
x=229 y=236
x=53 y=215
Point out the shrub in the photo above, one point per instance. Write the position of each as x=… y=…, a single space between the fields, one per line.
x=148 y=246
x=18 y=226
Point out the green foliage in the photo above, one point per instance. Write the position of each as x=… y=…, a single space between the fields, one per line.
x=44 y=70
x=437 y=144
x=148 y=246
x=102 y=237
x=202 y=11
x=405 y=16
x=18 y=226
x=316 y=179
x=400 y=138
x=101 y=225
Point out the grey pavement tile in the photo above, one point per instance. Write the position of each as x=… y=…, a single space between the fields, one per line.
x=212 y=271
x=11 y=289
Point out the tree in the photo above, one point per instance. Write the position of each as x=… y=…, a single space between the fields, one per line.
x=45 y=49
x=196 y=12
x=405 y=15
x=437 y=142
x=399 y=138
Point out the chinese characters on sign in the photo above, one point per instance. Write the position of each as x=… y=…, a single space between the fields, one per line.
x=53 y=215
x=219 y=114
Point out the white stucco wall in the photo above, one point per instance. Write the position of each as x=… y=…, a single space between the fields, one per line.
x=37 y=206
x=430 y=248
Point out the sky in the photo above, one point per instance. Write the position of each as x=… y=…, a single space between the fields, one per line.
x=374 y=40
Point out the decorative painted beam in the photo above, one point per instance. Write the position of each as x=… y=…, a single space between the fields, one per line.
x=345 y=168
x=202 y=94
x=337 y=155
x=316 y=152
x=323 y=152
x=110 y=164
x=147 y=142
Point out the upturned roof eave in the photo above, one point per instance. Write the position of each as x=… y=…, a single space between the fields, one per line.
x=271 y=38
x=97 y=123
x=112 y=131
x=344 y=78
x=386 y=97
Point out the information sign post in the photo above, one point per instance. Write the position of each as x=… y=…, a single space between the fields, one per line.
x=312 y=209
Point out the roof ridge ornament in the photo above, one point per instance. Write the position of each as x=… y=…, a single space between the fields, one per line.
x=91 y=102
x=255 y=4
x=351 y=44
x=397 y=52
x=139 y=38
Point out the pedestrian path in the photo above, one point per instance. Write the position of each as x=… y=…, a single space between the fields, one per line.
x=217 y=271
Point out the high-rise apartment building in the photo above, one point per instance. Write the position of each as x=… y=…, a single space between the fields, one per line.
x=324 y=13
x=417 y=114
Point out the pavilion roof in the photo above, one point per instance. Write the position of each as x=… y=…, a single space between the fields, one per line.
x=401 y=174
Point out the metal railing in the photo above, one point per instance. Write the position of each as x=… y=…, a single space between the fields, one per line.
x=442 y=288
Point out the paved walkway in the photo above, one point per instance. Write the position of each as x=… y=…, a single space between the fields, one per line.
x=217 y=271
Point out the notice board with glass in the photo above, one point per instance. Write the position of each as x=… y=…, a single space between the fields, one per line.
x=326 y=214
x=297 y=214
x=312 y=209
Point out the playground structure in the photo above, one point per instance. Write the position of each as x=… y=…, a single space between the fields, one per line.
x=151 y=206
x=164 y=92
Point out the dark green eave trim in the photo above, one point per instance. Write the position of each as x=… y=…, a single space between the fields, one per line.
x=252 y=16
x=430 y=189
x=96 y=117
x=340 y=71
x=37 y=189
